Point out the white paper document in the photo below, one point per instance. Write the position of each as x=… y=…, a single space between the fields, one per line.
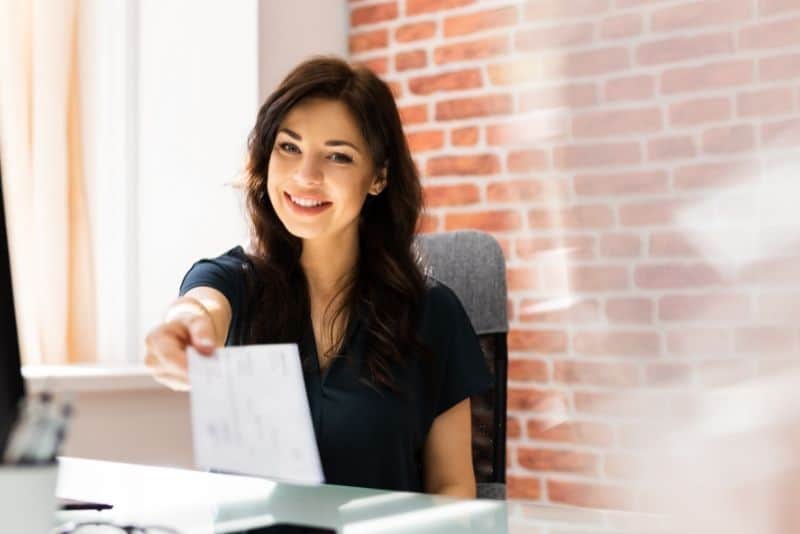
x=250 y=413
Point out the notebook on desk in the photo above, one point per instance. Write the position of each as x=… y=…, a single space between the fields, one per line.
x=12 y=385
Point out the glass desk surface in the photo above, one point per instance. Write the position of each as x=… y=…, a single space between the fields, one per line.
x=196 y=501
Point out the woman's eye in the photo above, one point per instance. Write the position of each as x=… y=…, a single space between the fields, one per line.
x=338 y=157
x=289 y=147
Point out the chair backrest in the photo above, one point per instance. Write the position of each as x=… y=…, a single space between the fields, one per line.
x=472 y=264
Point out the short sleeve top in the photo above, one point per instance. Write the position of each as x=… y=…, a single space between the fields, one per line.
x=370 y=436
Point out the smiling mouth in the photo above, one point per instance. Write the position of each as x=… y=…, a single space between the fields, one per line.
x=307 y=204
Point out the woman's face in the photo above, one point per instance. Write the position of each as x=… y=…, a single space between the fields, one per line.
x=320 y=170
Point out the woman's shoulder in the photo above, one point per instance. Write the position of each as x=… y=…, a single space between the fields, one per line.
x=235 y=258
x=439 y=298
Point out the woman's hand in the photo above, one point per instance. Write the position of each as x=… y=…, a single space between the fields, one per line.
x=189 y=324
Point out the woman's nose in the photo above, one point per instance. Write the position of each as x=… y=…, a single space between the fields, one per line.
x=309 y=171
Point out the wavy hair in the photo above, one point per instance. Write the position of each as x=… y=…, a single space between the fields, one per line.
x=387 y=286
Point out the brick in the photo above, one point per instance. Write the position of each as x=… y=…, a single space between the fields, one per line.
x=620 y=245
x=488 y=221
x=622 y=26
x=617 y=122
x=728 y=139
x=592 y=216
x=763 y=340
x=700 y=110
x=479 y=106
x=676 y=276
x=596 y=62
x=540 y=11
x=480 y=164
x=613 y=343
x=472 y=50
x=699 y=341
x=779 y=307
x=564 y=96
x=451 y=195
x=378 y=65
x=526 y=488
x=576 y=432
x=771 y=271
x=778 y=101
x=592 y=278
x=773 y=34
x=724 y=372
x=467 y=136
x=417 y=7
x=623 y=183
x=527 y=160
x=415 y=59
x=414 y=114
x=628 y=405
x=515 y=191
x=553 y=37
x=613 y=375
x=646 y=213
x=707 y=77
x=630 y=88
x=515 y=72
x=672 y=147
x=716 y=175
x=528 y=132
x=535 y=400
x=373 y=14
x=671 y=244
x=522 y=278
x=623 y=466
x=590 y=495
x=569 y=310
x=706 y=307
x=427 y=224
x=527 y=370
x=782 y=67
x=596 y=155
x=480 y=21
x=449 y=81
x=415 y=31
x=775 y=7
x=396 y=88
x=698 y=14
x=781 y=134
x=668 y=374
x=572 y=247
x=539 y=341
x=684 y=48
x=629 y=310
x=513 y=428
x=371 y=40
x=422 y=141
x=539 y=459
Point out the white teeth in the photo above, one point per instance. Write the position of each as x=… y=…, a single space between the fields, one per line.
x=306 y=203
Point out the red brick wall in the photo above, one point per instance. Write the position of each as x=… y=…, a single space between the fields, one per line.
x=634 y=159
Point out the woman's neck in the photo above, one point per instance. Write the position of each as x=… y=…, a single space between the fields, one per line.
x=328 y=264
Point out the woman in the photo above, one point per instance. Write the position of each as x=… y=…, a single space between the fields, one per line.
x=390 y=358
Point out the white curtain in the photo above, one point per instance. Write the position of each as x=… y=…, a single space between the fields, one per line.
x=43 y=180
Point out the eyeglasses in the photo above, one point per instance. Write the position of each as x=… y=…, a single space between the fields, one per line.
x=106 y=527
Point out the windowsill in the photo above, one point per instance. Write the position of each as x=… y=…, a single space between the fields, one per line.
x=87 y=378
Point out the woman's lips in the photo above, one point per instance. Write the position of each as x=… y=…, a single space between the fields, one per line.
x=306 y=208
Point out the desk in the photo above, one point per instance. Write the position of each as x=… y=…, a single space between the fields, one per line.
x=195 y=501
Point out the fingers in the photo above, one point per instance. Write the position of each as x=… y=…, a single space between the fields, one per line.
x=202 y=334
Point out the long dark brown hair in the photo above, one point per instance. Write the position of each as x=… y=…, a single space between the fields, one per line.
x=388 y=285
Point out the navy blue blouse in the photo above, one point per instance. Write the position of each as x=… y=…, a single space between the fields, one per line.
x=369 y=436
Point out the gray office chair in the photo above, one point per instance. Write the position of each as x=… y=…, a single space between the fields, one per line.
x=471 y=263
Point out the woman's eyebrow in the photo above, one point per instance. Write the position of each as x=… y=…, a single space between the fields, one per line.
x=331 y=142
